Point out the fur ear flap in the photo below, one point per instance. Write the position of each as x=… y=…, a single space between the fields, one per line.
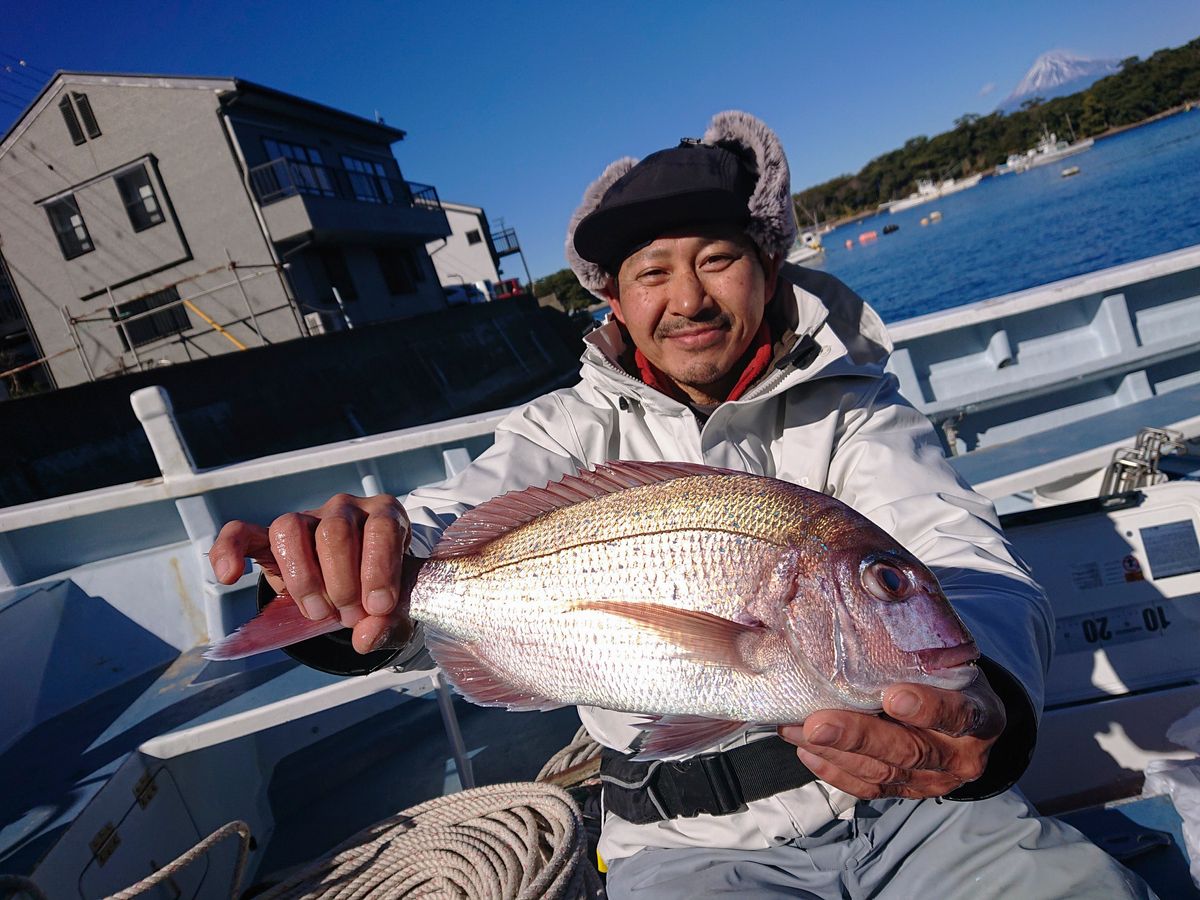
x=772 y=214
x=590 y=275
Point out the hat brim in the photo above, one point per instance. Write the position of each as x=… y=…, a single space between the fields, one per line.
x=609 y=236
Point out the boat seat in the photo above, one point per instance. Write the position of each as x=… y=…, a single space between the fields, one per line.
x=1045 y=447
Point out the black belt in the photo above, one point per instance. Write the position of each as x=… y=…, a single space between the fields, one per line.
x=713 y=783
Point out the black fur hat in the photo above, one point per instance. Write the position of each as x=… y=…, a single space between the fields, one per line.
x=745 y=177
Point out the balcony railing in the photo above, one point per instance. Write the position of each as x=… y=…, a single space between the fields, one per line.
x=505 y=241
x=282 y=178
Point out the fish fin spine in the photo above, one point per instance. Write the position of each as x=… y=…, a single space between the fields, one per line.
x=664 y=736
x=699 y=635
x=476 y=679
x=476 y=528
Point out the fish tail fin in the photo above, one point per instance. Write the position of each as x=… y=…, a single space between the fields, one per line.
x=279 y=624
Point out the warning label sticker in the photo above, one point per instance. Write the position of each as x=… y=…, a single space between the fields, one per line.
x=1171 y=549
x=1092 y=575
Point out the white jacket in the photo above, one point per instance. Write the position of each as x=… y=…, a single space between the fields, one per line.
x=830 y=419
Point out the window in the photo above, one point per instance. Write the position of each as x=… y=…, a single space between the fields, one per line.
x=85 y=112
x=473 y=236
x=401 y=272
x=368 y=180
x=337 y=272
x=68 y=113
x=141 y=203
x=74 y=107
x=69 y=227
x=305 y=167
x=150 y=328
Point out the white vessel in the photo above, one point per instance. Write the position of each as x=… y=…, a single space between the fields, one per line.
x=807 y=247
x=927 y=190
x=1048 y=150
x=122 y=748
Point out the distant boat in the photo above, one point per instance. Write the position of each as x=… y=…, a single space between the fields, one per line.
x=1069 y=171
x=1049 y=149
x=927 y=190
x=808 y=246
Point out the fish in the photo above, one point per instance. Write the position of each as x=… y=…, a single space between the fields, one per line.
x=704 y=600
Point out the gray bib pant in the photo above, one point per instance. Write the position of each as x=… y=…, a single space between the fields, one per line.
x=901 y=849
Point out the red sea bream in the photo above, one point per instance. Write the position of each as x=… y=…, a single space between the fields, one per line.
x=704 y=599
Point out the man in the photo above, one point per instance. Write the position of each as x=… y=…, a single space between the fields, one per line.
x=720 y=354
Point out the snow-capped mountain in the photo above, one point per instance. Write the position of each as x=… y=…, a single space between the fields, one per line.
x=1056 y=74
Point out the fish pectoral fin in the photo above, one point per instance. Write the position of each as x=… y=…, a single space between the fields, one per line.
x=699 y=635
x=476 y=678
x=664 y=736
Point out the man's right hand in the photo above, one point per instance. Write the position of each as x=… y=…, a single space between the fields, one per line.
x=343 y=558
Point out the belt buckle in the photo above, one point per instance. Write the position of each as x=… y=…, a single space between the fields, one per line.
x=705 y=784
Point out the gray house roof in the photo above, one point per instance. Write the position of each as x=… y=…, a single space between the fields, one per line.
x=230 y=91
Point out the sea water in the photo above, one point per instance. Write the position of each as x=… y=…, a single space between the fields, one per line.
x=1137 y=194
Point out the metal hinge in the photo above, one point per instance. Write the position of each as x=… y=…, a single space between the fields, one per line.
x=145 y=790
x=105 y=843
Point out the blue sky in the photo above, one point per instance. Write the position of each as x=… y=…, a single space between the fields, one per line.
x=517 y=106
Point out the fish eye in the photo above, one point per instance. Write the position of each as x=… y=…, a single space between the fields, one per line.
x=886 y=581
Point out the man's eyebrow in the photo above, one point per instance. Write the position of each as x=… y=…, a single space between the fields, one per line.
x=650 y=253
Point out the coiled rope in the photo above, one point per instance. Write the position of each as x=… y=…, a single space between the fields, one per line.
x=499 y=842
x=582 y=749
x=520 y=840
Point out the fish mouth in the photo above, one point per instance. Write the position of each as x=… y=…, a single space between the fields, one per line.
x=939 y=659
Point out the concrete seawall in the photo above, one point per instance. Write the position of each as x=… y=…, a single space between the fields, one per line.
x=266 y=400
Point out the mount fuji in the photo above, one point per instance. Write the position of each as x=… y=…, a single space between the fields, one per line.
x=1056 y=74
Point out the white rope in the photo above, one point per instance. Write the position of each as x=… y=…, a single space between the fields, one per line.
x=581 y=749
x=505 y=841
x=500 y=842
x=241 y=829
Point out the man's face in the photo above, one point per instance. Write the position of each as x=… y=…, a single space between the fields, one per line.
x=692 y=303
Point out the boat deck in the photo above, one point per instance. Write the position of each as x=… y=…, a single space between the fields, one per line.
x=1024 y=463
x=55 y=769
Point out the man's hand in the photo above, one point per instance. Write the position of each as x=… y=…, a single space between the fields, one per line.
x=343 y=558
x=928 y=743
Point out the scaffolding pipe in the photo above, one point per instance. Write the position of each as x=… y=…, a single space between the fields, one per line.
x=241 y=288
x=116 y=313
x=211 y=321
x=87 y=366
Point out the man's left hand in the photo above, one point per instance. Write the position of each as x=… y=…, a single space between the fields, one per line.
x=929 y=742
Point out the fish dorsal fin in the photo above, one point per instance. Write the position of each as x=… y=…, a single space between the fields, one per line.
x=476 y=528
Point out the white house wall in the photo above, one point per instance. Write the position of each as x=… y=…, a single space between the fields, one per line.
x=207 y=212
x=458 y=261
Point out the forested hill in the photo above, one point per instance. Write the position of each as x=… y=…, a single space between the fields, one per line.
x=977 y=143
x=1143 y=88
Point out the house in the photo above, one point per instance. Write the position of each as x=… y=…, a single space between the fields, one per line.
x=148 y=220
x=468 y=261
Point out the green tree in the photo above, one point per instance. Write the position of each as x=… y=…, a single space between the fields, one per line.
x=1094 y=117
x=566 y=287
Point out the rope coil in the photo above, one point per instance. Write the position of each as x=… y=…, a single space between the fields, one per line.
x=521 y=840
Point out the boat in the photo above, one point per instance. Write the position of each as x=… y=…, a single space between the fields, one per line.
x=928 y=190
x=807 y=247
x=124 y=749
x=1049 y=149
x=1069 y=171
